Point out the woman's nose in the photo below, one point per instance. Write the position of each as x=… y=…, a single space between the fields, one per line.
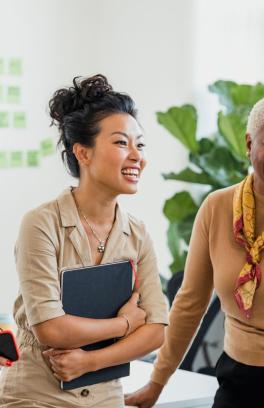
x=135 y=154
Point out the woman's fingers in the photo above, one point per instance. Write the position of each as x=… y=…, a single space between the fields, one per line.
x=55 y=352
x=5 y=362
x=135 y=298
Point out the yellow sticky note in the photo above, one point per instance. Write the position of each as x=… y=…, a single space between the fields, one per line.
x=15 y=66
x=47 y=147
x=33 y=157
x=16 y=158
x=4 y=119
x=13 y=94
x=19 y=120
x=2 y=66
x=3 y=159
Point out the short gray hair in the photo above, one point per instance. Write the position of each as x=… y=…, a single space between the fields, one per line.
x=256 y=118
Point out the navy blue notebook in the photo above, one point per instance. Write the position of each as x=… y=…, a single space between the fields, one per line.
x=97 y=292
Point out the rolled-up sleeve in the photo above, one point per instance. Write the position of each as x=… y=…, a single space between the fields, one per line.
x=37 y=269
x=153 y=300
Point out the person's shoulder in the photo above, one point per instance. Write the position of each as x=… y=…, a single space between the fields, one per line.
x=135 y=225
x=221 y=196
x=44 y=214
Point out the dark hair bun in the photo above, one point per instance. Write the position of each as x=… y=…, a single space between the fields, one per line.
x=78 y=110
x=83 y=92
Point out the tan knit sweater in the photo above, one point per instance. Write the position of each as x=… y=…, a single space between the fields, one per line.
x=214 y=262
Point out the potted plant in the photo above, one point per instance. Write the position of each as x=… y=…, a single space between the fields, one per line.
x=215 y=161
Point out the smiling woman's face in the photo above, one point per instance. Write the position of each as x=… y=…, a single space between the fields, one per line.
x=256 y=150
x=117 y=158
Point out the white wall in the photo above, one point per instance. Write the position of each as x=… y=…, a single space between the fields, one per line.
x=162 y=52
x=228 y=44
x=143 y=47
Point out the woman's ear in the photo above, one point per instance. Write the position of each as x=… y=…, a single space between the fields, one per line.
x=248 y=143
x=82 y=154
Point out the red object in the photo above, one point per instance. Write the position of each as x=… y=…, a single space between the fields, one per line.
x=8 y=346
x=134 y=273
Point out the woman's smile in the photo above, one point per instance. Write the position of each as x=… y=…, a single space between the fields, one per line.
x=131 y=174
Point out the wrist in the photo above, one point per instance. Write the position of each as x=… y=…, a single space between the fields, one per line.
x=128 y=325
x=156 y=386
x=93 y=360
x=122 y=326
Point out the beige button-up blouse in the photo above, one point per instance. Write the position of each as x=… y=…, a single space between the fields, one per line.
x=51 y=238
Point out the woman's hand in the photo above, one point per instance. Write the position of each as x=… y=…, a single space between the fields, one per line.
x=135 y=314
x=69 y=364
x=5 y=362
x=145 y=397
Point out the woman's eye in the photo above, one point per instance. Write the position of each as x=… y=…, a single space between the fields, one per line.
x=121 y=142
x=141 y=146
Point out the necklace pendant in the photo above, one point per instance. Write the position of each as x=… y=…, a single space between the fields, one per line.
x=101 y=247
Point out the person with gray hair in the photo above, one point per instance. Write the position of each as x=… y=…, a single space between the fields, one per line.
x=225 y=255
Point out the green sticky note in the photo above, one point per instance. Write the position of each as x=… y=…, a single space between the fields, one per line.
x=4 y=119
x=13 y=94
x=19 y=120
x=15 y=66
x=16 y=158
x=2 y=66
x=3 y=159
x=33 y=158
x=47 y=147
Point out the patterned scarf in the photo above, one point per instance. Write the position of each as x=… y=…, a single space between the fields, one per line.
x=244 y=218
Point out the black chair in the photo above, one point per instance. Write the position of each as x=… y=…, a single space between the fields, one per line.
x=199 y=342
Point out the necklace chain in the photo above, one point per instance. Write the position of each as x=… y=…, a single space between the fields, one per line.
x=101 y=246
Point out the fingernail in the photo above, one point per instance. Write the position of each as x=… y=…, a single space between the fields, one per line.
x=9 y=363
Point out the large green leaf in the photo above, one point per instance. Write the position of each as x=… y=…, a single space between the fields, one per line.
x=185 y=227
x=190 y=176
x=178 y=263
x=224 y=91
x=181 y=122
x=174 y=243
x=180 y=206
x=221 y=165
x=235 y=96
x=233 y=129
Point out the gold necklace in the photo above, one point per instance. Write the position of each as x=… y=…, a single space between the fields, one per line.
x=102 y=243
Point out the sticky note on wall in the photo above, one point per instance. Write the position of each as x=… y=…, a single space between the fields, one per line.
x=19 y=120
x=13 y=94
x=47 y=147
x=33 y=157
x=16 y=158
x=3 y=159
x=4 y=119
x=15 y=66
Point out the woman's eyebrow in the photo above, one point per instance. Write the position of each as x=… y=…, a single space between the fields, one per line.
x=124 y=134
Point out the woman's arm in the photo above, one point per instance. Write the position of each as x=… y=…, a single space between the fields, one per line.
x=71 y=331
x=69 y=364
x=36 y=258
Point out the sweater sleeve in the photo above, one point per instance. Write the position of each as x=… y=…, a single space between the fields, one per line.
x=191 y=300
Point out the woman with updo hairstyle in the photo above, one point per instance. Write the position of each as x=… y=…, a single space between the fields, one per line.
x=103 y=147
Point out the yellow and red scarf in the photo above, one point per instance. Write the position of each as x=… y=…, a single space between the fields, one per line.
x=244 y=219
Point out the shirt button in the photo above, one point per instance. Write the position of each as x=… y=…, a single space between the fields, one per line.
x=85 y=392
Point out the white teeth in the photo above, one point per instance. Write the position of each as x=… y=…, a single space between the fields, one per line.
x=130 y=172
